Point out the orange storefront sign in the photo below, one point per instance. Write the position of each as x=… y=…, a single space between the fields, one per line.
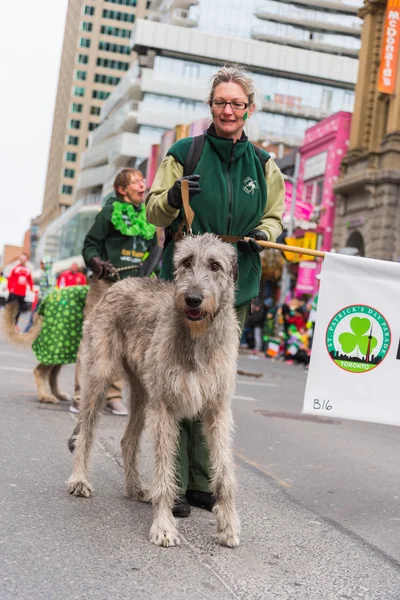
x=390 y=48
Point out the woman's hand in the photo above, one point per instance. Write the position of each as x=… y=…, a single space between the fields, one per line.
x=251 y=246
x=175 y=192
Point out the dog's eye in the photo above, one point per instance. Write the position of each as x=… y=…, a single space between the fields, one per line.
x=215 y=266
x=187 y=264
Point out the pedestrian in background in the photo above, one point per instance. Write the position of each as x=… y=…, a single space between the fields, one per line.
x=255 y=322
x=119 y=237
x=235 y=189
x=3 y=288
x=19 y=279
x=47 y=282
x=312 y=318
x=71 y=277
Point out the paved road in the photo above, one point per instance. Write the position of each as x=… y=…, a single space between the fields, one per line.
x=317 y=500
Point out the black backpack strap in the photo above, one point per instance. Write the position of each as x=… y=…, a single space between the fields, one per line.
x=194 y=154
x=263 y=159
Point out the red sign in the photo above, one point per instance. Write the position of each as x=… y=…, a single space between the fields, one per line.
x=302 y=210
x=306 y=278
x=390 y=48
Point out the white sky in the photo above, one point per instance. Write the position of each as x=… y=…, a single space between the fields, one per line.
x=30 y=52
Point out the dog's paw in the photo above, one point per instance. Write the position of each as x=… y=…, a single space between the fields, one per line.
x=138 y=494
x=64 y=397
x=47 y=399
x=80 y=488
x=229 y=538
x=164 y=537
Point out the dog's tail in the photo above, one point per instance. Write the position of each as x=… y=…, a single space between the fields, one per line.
x=12 y=333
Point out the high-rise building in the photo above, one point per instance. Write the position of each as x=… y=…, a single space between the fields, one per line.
x=96 y=54
x=368 y=189
x=303 y=57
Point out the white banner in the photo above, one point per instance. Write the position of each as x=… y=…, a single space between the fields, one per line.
x=355 y=362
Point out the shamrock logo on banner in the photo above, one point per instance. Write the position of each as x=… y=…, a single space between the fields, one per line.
x=358 y=336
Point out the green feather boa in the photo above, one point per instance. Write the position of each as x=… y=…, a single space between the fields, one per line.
x=138 y=223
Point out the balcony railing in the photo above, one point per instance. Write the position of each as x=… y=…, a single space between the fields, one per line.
x=333 y=6
x=310 y=24
x=180 y=17
x=264 y=36
x=129 y=84
x=294 y=110
x=125 y=116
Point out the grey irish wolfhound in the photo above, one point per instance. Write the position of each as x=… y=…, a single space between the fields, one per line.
x=177 y=344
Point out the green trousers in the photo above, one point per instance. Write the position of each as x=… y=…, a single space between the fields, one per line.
x=193 y=468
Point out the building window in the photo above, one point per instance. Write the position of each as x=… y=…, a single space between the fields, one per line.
x=83 y=59
x=70 y=156
x=107 y=79
x=92 y=126
x=79 y=91
x=118 y=16
x=89 y=10
x=74 y=124
x=95 y=110
x=73 y=140
x=80 y=75
x=114 y=48
x=66 y=189
x=77 y=108
x=123 y=2
x=69 y=173
x=117 y=31
x=84 y=42
x=112 y=64
x=100 y=95
x=86 y=26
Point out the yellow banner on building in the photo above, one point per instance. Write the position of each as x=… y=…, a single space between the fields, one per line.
x=308 y=241
x=390 y=48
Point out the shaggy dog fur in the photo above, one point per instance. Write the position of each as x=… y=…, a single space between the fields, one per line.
x=177 y=342
x=46 y=376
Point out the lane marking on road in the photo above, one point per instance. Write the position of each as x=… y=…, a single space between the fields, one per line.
x=18 y=354
x=257 y=383
x=16 y=369
x=244 y=398
x=260 y=468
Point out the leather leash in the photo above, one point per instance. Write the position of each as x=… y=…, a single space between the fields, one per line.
x=230 y=239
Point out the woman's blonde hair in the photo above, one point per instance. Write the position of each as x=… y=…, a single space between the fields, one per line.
x=236 y=74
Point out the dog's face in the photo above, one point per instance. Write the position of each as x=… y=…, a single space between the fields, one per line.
x=205 y=276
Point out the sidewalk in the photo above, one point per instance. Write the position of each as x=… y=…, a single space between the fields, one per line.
x=55 y=546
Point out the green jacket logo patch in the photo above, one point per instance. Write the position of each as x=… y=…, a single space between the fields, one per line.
x=358 y=338
x=250 y=185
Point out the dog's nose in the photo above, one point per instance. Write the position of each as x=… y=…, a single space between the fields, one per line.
x=194 y=300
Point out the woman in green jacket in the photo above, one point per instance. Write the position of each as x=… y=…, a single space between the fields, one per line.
x=234 y=189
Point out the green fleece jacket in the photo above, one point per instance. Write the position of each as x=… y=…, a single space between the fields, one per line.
x=105 y=241
x=236 y=197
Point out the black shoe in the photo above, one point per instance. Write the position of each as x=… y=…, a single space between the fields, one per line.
x=181 y=507
x=201 y=499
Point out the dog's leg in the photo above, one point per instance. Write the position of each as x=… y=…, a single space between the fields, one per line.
x=41 y=373
x=55 y=390
x=165 y=429
x=218 y=426
x=93 y=398
x=130 y=443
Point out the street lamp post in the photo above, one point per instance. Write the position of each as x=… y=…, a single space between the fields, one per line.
x=285 y=282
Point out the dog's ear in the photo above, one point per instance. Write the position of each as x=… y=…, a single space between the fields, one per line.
x=235 y=270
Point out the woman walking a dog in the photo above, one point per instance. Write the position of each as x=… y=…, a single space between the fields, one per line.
x=235 y=189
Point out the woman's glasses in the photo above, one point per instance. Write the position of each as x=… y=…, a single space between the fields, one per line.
x=220 y=104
